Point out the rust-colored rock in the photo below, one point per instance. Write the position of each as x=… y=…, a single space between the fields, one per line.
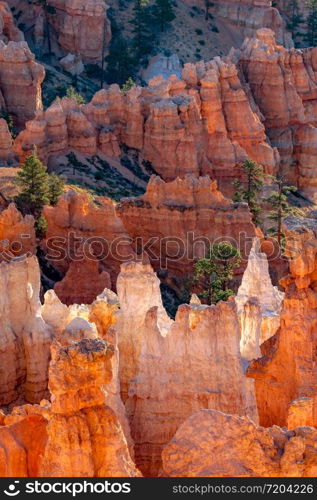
x=24 y=338
x=84 y=435
x=87 y=241
x=8 y=29
x=82 y=27
x=21 y=78
x=177 y=222
x=212 y=444
x=287 y=369
x=168 y=369
x=17 y=234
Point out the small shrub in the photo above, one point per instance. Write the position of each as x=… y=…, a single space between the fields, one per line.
x=201 y=42
x=199 y=31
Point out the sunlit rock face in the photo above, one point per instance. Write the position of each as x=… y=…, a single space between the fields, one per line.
x=21 y=78
x=211 y=444
x=79 y=412
x=283 y=85
x=86 y=243
x=24 y=336
x=77 y=435
x=256 y=284
x=178 y=221
x=287 y=369
x=17 y=234
x=168 y=369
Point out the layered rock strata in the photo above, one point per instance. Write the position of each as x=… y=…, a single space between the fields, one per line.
x=287 y=369
x=161 y=391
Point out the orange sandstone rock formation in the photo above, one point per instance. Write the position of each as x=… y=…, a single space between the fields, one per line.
x=21 y=78
x=168 y=369
x=82 y=27
x=211 y=444
x=84 y=435
x=287 y=369
x=85 y=241
x=24 y=338
x=177 y=222
x=17 y=234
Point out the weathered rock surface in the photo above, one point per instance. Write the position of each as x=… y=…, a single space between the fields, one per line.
x=24 y=337
x=287 y=369
x=8 y=29
x=82 y=27
x=211 y=444
x=161 y=390
x=17 y=234
x=256 y=283
x=84 y=435
x=21 y=78
x=87 y=242
x=177 y=222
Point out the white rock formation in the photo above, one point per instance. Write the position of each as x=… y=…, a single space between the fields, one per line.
x=24 y=336
x=256 y=283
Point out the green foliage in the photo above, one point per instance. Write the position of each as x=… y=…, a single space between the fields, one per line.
x=40 y=226
x=127 y=85
x=38 y=188
x=199 y=31
x=163 y=12
x=249 y=191
x=201 y=42
x=120 y=61
x=72 y=94
x=33 y=181
x=295 y=17
x=281 y=208
x=8 y=118
x=215 y=272
x=143 y=35
x=55 y=188
x=312 y=22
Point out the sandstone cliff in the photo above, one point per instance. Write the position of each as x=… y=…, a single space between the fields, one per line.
x=87 y=242
x=168 y=369
x=178 y=221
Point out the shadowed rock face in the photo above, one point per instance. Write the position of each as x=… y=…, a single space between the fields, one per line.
x=287 y=369
x=210 y=443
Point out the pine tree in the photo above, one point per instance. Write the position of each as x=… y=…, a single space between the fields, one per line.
x=295 y=17
x=249 y=191
x=281 y=208
x=164 y=12
x=120 y=61
x=312 y=22
x=215 y=272
x=55 y=188
x=47 y=9
x=143 y=35
x=72 y=94
x=33 y=181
